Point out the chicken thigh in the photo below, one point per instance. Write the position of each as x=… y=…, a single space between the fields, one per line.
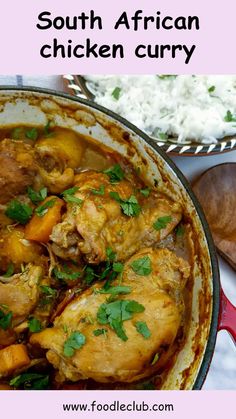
x=113 y=215
x=124 y=332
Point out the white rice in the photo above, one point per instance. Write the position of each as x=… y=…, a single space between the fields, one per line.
x=179 y=106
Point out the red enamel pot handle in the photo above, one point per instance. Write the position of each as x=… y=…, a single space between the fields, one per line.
x=227 y=319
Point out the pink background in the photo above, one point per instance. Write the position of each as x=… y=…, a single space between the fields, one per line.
x=21 y=40
x=48 y=404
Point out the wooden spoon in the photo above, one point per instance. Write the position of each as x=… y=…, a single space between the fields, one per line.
x=216 y=191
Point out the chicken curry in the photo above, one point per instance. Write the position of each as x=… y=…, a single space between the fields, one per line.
x=94 y=267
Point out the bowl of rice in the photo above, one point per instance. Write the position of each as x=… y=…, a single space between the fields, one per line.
x=184 y=114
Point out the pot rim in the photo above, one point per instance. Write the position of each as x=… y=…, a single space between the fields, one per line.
x=209 y=350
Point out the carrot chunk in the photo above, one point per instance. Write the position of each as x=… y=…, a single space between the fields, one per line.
x=12 y=358
x=46 y=216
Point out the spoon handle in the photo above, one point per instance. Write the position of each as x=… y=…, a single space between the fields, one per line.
x=227 y=319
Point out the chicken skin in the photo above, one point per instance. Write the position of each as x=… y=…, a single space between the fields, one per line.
x=143 y=320
x=20 y=292
x=113 y=215
x=17 y=168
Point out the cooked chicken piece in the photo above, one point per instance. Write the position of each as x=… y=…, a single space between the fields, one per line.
x=101 y=223
x=17 y=168
x=20 y=292
x=106 y=357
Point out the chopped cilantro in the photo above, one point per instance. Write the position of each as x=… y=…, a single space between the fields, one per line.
x=130 y=206
x=5 y=320
x=119 y=289
x=99 y=191
x=179 y=231
x=143 y=329
x=71 y=199
x=17 y=133
x=75 y=341
x=116 y=93
x=32 y=134
x=34 y=325
x=145 y=192
x=43 y=209
x=115 y=173
x=116 y=312
x=51 y=292
x=71 y=191
x=37 y=197
x=46 y=130
x=66 y=274
x=18 y=211
x=30 y=381
x=90 y=275
x=162 y=222
x=229 y=117
x=211 y=89
x=110 y=254
x=166 y=76
x=118 y=267
x=163 y=135
x=9 y=271
x=99 y=332
x=155 y=359
x=142 y=266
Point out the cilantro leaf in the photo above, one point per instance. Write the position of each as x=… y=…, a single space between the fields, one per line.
x=229 y=117
x=115 y=173
x=30 y=381
x=9 y=271
x=37 y=197
x=75 y=341
x=47 y=128
x=211 y=89
x=110 y=254
x=179 y=231
x=67 y=274
x=155 y=359
x=32 y=134
x=100 y=191
x=18 y=212
x=116 y=93
x=99 y=332
x=116 y=312
x=34 y=325
x=119 y=289
x=145 y=192
x=71 y=199
x=90 y=275
x=48 y=290
x=142 y=266
x=5 y=320
x=118 y=267
x=162 y=222
x=43 y=209
x=130 y=206
x=17 y=133
x=143 y=329
x=70 y=191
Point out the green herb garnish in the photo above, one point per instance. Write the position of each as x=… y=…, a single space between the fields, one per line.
x=75 y=341
x=99 y=332
x=99 y=191
x=130 y=206
x=163 y=136
x=17 y=133
x=116 y=93
x=47 y=128
x=32 y=134
x=66 y=274
x=142 y=266
x=5 y=319
x=71 y=199
x=167 y=76
x=155 y=359
x=115 y=313
x=179 y=231
x=37 y=197
x=43 y=209
x=115 y=173
x=50 y=292
x=118 y=267
x=229 y=117
x=18 y=211
x=145 y=192
x=116 y=290
x=211 y=89
x=143 y=329
x=34 y=325
x=110 y=254
x=9 y=271
x=30 y=381
x=162 y=222
x=71 y=191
